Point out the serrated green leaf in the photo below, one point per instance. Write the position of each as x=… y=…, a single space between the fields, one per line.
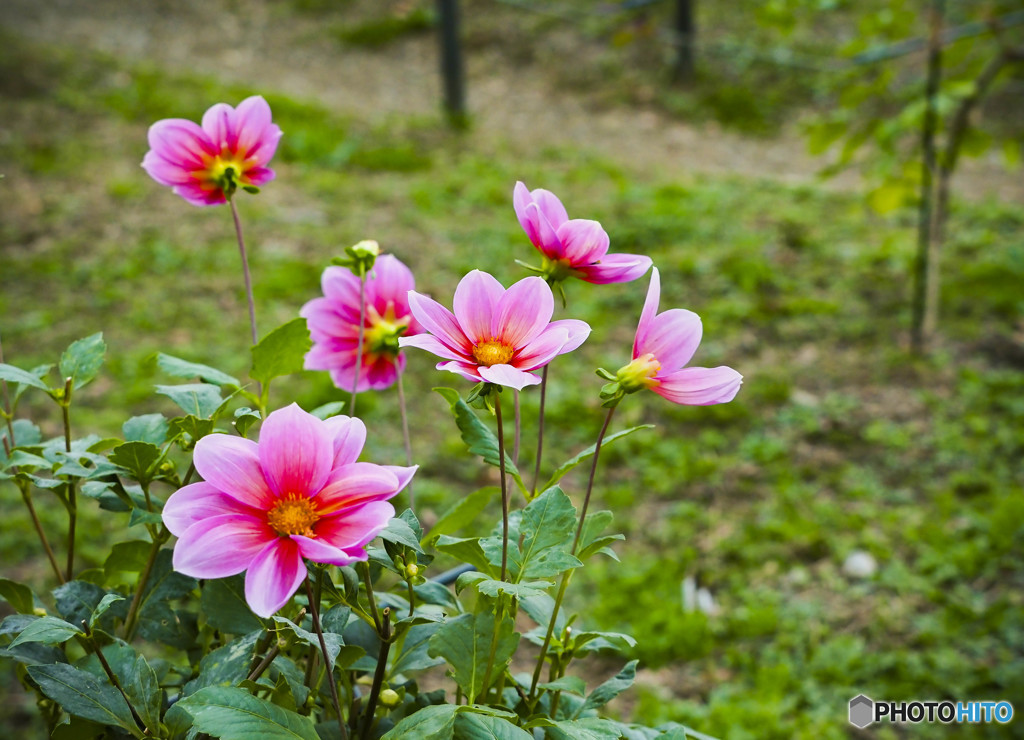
x=48 y=631
x=610 y=688
x=475 y=434
x=83 y=359
x=13 y=374
x=127 y=557
x=227 y=665
x=462 y=513
x=244 y=419
x=193 y=426
x=138 y=459
x=465 y=642
x=82 y=694
x=18 y=595
x=491 y=587
x=150 y=428
x=76 y=600
x=591 y=541
x=157 y=621
x=473 y=726
x=399 y=532
x=184 y=369
x=282 y=352
x=332 y=640
x=415 y=654
x=224 y=605
x=143 y=689
x=436 y=722
x=105 y=603
x=200 y=400
x=590 y=728
x=589 y=453
x=546 y=531
x=235 y=714
x=569 y=684
x=468 y=551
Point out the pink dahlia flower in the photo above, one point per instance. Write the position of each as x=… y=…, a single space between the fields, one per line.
x=334 y=324
x=572 y=247
x=205 y=164
x=664 y=343
x=262 y=508
x=495 y=335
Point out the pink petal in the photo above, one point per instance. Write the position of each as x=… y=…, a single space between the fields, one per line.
x=391 y=281
x=349 y=435
x=221 y=546
x=355 y=483
x=180 y=142
x=521 y=198
x=475 y=300
x=325 y=356
x=274 y=575
x=584 y=242
x=615 y=268
x=295 y=452
x=219 y=125
x=470 y=371
x=542 y=350
x=165 y=172
x=354 y=527
x=196 y=502
x=672 y=337
x=232 y=465
x=329 y=318
x=340 y=285
x=699 y=386
x=547 y=239
x=523 y=312
x=431 y=344
x=578 y=332
x=508 y=376
x=403 y=474
x=195 y=194
x=256 y=136
x=648 y=313
x=550 y=207
x=320 y=551
x=440 y=322
x=258 y=176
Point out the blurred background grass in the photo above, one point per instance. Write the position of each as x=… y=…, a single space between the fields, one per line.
x=838 y=442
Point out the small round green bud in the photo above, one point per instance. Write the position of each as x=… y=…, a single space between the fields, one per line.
x=412 y=570
x=389 y=698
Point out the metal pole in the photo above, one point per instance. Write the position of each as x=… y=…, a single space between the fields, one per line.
x=452 y=68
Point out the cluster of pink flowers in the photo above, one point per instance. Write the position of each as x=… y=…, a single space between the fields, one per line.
x=299 y=493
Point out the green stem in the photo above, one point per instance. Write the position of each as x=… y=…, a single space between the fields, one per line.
x=365 y=568
x=405 y=435
x=359 y=344
x=131 y=622
x=504 y=488
x=72 y=485
x=378 y=674
x=26 y=496
x=8 y=409
x=540 y=428
x=314 y=609
x=515 y=444
x=575 y=543
x=245 y=271
x=113 y=677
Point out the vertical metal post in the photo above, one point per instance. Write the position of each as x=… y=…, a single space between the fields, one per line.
x=452 y=69
x=685 y=31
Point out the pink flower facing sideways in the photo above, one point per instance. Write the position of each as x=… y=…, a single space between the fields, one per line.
x=664 y=343
x=334 y=324
x=263 y=507
x=205 y=164
x=572 y=247
x=495 y=335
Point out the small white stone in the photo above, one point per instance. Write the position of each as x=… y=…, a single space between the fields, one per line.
x=859 y=564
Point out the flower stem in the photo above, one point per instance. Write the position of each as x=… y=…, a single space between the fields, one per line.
x=113 y=676
x=72 y=485
x=575 y=543
x=359 y=344
x=378 y=675
x=245 y=271
x=405 y=434
x=131 y=622
x=515 y=444
x=540 y=427
x=362 y=566
x=504 y=488
x=314 y=609
x=8 y=409
x=26 y=496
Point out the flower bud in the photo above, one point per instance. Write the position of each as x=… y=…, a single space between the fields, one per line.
x=639 y=374
x=389 y=698
x=412 y=570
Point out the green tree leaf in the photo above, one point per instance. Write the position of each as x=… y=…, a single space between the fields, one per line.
x=610 y=688
x=224 y=605
x=195 y=399
x=477 y=437
x=227 y=665
x=47 y=630
x=546 y=532
x=150 y=428
x=157 y=621
x=415 y=654
x=82 y=694
x=235 y=714
x=462 y=513
x=468 y=551
x=184 y=369
x=436 y=722
x=13 y=374
x=282 y=352
x=143 y=689
x=465 y=642
x=77 y=600
x=18 y=595
x=83 y=359
x=138 y=459
x=472 y=726
x=589 y=453
x=332 y=640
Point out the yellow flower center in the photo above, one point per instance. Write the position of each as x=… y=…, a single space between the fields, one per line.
x=493 y=353
x=384 y=331
x=639 y=373
x=226 y=171
x=293 y=516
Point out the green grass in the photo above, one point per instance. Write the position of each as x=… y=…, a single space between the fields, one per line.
x=838 y=441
